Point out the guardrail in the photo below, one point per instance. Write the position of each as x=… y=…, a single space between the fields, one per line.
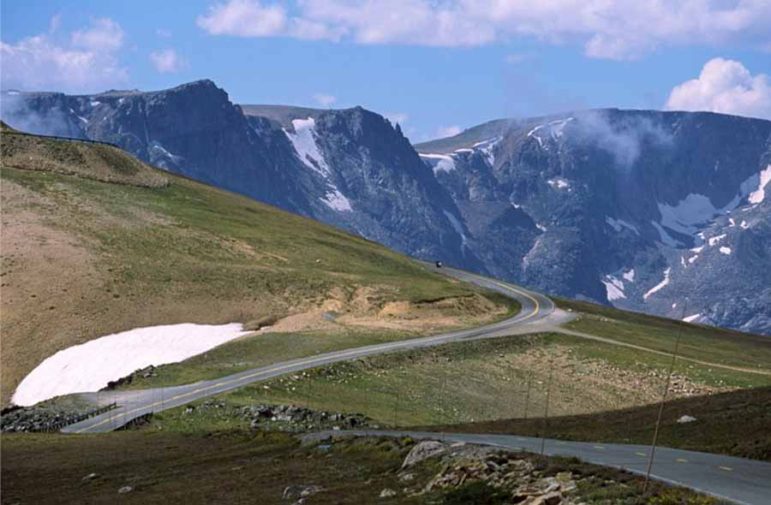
x=76 y=419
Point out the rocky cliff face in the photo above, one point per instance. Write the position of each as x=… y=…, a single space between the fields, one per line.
x=662 y=212
x=350 y=168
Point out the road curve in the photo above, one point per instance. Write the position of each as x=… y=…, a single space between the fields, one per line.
x=537 y=313
x=738 y=480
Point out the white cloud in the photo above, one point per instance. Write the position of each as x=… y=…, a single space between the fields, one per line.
x=448 y=131
x=724 y=86
x=167 y=61
x=397 y=117
x=104 y=34
x=244 y=18
x=163 y=33
x=516 y=58
x=86 y=61
x=324 y=99
x=621 y=29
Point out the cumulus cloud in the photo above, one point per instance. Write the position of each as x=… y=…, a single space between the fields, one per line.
x=167 y=61
x=724 y=86
x=324 y=99
x=448 y=131
x=617 y=30
x=86 y=61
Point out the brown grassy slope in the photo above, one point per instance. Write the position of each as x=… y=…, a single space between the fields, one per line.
x=736 y=423
x=82 y=258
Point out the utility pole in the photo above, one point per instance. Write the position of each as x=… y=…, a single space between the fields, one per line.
x=663 y=401
x=546 y=409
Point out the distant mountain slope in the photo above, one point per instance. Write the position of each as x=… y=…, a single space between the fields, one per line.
x=662 y=212
x=350 y=168
x=596 y=204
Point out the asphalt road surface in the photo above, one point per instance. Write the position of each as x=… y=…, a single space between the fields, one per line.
x=738 y=480
x=537 y=313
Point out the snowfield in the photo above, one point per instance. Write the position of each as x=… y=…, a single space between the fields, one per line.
x=90 y=366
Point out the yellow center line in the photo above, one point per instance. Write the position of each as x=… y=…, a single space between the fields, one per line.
x=726 y=468
x=599 y=447
x=302 y=363
x=642 y=454
x=681 y=460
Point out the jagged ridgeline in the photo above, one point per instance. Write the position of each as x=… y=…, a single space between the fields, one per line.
x=638 y=209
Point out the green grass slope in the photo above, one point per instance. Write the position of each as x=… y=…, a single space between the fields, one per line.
x=96 y=242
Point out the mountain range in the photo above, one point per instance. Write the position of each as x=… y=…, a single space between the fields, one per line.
x=660 y=212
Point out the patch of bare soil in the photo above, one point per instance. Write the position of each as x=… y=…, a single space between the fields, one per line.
x=366 y=307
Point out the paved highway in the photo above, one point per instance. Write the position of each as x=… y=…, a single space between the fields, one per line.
x=537 y=313
x=738 y=480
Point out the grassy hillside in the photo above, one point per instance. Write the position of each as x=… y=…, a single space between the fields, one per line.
x=96 y=242
x=502 y=385
x=236 y=467
x=735 y=423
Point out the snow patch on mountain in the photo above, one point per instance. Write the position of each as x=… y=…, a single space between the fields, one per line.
x=486 y=148
x=725 y=250
x=713 y=241
x=552 y=130
x=764 y=177
x=629 y=276
x=559 y=183
x=692 y=318
x=335 y=200
x=304 y=141
x=439 y=162
x=658 y=287
x=614 y=288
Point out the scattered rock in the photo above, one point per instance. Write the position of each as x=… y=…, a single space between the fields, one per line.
x=387 y=493
x=298 y=492
x=125 y=489
x=686 y=419
x=90 y=476
x=423 y=450
x=294 y=418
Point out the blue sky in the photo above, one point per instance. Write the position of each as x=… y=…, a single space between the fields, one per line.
x=435 y=67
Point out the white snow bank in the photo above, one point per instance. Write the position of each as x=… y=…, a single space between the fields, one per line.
x=661 y=285
x=439 y=162
x=90 y=366
x=553 y=129
x=713 y=241
x=759 y=194
x=336 y=200
x=559 y=183
x=304 y=141
x=629 y=275
x=725 y=250
x=614 y=288
x=692 y=318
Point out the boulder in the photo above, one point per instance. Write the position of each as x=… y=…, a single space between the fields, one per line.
x=422 y=451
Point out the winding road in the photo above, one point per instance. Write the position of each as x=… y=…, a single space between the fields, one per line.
x=738 y=480
x=537 y=313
